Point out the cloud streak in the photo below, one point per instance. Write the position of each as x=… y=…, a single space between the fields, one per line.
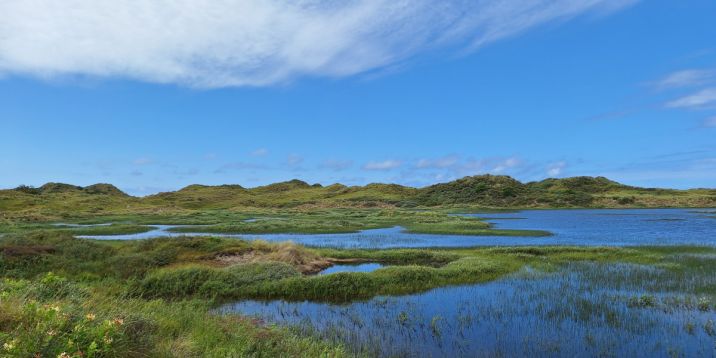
x=506 y=164
x=336 y=165
x=240 y=166
x=260 y=152
x=253 y=42
x=440 y=163
x=686 y=78
x=294 y=160
x=384 y=165
x=696 y=100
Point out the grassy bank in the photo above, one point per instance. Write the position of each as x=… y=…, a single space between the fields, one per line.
x=75 y=229
x=327 y=221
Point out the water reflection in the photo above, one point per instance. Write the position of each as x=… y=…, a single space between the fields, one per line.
x=364 y=267
x=569 y=227
x=611 y=310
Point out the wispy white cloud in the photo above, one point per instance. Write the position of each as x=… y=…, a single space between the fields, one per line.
x=237 y=166
x=186 y=172
x=439 y=163
x=518 y=167
x=686 y=78
x=505 y=164
x=253 y=42
x=451 y=167
x=696 y=100
x=699 y=81
x=684 y=168
x=142 y=161
x=336 y=165
x=294 y=160
x=556 y=169
x=694 y=164
x=383 y=165
x=260 y=152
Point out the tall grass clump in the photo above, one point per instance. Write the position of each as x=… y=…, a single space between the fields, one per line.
x=178 y=283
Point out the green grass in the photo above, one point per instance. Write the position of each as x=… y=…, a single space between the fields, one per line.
x=114 y=229
x=47 y=269
x=55 y=316
x=164 y=289
x=392 y=280
x=350 y=221
x=470 y=227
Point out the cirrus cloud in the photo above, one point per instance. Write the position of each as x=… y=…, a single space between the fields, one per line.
x=696 y=100
x=685 y=78
x=336 y=165
x=444 y=162
x=384 y=165
x=253 y=42
x=260 y=152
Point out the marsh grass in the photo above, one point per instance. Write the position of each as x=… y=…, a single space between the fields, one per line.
x=47 y=319
x=353 y=221
x=164 y=289
x=114 y=229
x=597 y=308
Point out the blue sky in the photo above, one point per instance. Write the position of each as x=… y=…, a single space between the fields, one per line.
x=372 y=93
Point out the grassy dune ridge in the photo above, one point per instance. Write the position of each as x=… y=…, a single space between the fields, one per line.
x=55 y=201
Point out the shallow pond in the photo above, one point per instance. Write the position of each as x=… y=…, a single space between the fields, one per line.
x=611 y=310
x=364 y=267
x=157 y=231
x=569 y=227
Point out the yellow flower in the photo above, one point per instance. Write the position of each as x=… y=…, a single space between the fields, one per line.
x=55 y=308
x=8 y=346
x=90 y=316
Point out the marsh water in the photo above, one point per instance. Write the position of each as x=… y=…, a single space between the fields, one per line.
x=617 y=227
x=364 y=267
x=611 y=310
x=584 y=309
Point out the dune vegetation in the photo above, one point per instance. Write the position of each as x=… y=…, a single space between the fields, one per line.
x=57 y=202
x=64 y=296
